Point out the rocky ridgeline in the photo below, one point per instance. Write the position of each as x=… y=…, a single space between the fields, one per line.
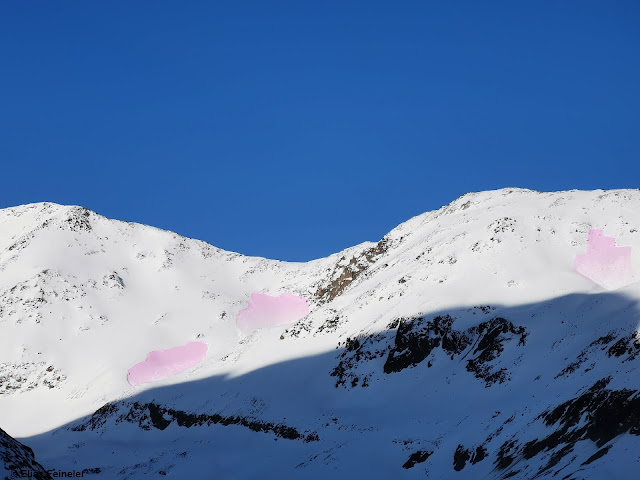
x=148 y=416
x=344 y=273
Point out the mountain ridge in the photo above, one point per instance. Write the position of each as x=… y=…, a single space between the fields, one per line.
x=438 y=307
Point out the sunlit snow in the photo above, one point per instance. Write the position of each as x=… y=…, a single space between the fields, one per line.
x=165 y=363
x=268 y=311
x=604 y=263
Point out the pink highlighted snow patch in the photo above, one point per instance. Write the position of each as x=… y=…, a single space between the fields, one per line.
x=604 y=263
x=165 y=363
x=267 y=311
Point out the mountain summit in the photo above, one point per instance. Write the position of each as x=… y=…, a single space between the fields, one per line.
x=462 y=345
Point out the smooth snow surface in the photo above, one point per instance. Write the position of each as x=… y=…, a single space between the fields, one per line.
x=267 y=311
x=165 y=363
x=604 y=263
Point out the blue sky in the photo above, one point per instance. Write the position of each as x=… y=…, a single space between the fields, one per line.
x=294 y=129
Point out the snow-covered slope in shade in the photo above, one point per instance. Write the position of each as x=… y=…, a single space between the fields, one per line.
x=462 y=345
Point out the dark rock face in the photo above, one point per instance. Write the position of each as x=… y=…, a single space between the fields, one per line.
x=342 y=276
x=16 y=458
x=505 y=455
x=78 y=219
x=460 y=458
x=479 y=455
x=417 y=339
x=628 y=347
x=463 y=455
x=492 y=335
x=417 y=457
x=609 y=413
x=150 y=416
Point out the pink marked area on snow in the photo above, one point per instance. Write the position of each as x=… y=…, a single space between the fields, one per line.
x=165 y=363
x=604 y=263
x=268 y=311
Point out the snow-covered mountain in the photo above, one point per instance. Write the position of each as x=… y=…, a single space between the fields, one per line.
x=462 y=345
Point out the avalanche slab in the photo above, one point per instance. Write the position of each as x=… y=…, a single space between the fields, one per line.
x=166 y=363
x=604 y=263
x=269 y=311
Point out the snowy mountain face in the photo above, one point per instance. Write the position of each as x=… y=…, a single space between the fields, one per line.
x=462 y=345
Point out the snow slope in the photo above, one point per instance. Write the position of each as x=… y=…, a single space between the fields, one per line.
x=462 y=345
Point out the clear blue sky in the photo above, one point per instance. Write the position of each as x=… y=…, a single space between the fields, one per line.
x=294 y=129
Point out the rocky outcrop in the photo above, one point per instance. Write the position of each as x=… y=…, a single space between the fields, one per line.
x=150 y=416
x=608 y=414
x=78 y=219
x=417 y=339
x=417 y=457
x=627 y=348
x=21 y=377
x=463 y=455
x=344 y=274
x=17 y=460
